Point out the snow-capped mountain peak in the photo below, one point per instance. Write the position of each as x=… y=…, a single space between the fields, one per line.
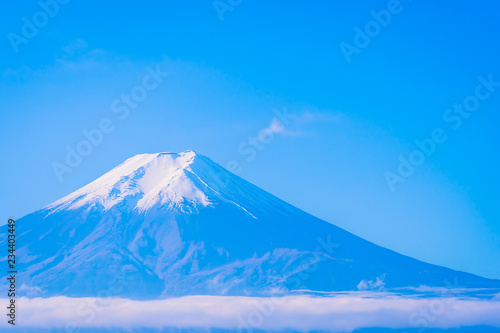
x=144 y=180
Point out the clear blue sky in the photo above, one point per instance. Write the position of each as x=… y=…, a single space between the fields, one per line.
x=352 y=119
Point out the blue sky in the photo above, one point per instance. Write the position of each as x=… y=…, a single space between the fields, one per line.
x=226 y=79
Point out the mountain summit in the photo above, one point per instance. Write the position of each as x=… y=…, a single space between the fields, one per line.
x=146 y=181
x=171 y=224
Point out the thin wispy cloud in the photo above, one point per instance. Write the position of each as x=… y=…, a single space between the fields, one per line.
x=321 y=116
x=306 y=123
x=78 y=55
x=279 y=128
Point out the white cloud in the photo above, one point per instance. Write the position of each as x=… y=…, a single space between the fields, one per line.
x=299 y=313
x=372 y=285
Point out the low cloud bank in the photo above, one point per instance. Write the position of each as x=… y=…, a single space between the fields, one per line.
x=301 y=313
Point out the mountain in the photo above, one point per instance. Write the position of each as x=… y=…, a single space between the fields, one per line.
x=171 y=224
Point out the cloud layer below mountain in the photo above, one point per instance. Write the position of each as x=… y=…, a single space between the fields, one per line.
x=301 y=313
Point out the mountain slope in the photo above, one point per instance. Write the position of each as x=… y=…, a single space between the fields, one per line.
x=170 y=224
